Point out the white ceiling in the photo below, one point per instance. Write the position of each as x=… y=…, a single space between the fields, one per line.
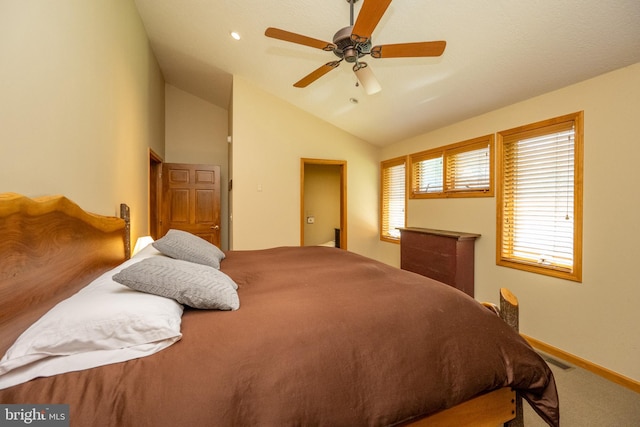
x=498 y=52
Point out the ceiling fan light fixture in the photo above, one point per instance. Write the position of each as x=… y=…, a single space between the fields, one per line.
x=350 y=55
x=366 y=78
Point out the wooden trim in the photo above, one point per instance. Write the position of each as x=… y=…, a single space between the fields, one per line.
x=154 y=195
x=585 y=364
x=578 y=159
x=487 y=410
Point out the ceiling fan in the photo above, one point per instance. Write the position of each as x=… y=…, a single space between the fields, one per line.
x=353 y=42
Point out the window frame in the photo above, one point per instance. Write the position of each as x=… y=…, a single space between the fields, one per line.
x=510 y=136
x=447 y=153
x=385 y=165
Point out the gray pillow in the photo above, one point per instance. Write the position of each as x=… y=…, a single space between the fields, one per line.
x=189 y=247
x=195 y=285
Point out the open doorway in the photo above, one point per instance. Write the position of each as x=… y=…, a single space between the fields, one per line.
x=323 y=200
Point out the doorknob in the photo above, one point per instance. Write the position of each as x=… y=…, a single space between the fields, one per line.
x=215 y=227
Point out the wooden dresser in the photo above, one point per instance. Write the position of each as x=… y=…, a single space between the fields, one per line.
x=446 y=256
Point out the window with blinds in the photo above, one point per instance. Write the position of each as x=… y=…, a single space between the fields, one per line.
x=540 y=197
x=464 y=169
x=427 y=173
x=393 y=198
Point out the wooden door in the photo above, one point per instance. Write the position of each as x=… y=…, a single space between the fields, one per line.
x=191 y=200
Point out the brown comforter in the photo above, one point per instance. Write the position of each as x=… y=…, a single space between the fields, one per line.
x=323 y=337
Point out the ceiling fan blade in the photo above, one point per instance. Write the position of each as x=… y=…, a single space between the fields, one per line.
x=316 y=74
x=287 y=36
x=369 y=16
x=406 y=50
x=366 y=78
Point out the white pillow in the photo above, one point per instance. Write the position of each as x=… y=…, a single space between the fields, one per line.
x=103 y=323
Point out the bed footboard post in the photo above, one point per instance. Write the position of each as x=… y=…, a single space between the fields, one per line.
x=509 y=312
x=509 y=308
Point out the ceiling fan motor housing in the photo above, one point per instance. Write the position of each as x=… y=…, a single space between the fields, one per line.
x=348 y=49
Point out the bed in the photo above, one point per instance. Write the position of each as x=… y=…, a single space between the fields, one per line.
x=322 y=336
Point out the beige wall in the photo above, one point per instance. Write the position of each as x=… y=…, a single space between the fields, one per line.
x=269 y=139
x=196 y=132
x=598 y=318
x=82 y=99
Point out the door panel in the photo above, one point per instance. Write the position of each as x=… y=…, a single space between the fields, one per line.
x=191 y=200
x=179 y=213
x=204 y=207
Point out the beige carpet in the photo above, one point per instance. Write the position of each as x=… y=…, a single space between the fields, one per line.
x=588 y=400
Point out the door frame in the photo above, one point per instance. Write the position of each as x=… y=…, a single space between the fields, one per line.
x=155 y=193
x=343 y=196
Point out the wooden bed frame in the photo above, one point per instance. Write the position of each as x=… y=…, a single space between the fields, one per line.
x=51 y=248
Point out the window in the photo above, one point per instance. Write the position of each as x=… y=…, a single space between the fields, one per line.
x=464 y=169
x=539 y=201
x=393 y=198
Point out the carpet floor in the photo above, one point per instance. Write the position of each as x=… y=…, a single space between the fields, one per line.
x=588 y=400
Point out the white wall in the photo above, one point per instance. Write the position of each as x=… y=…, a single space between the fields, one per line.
x=81 y=100
x=269 y=139
x=597 y=319
x=196 y=133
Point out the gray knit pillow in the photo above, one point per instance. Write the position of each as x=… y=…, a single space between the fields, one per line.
x=195 y=285
x=189 y=247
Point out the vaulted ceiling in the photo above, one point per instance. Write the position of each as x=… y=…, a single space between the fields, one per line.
x=498 y=52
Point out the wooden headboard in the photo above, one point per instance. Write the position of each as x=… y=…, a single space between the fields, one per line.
x=49 y=249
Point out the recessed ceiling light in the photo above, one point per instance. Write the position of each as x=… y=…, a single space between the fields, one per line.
x=353 y=100
x=235 y=35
